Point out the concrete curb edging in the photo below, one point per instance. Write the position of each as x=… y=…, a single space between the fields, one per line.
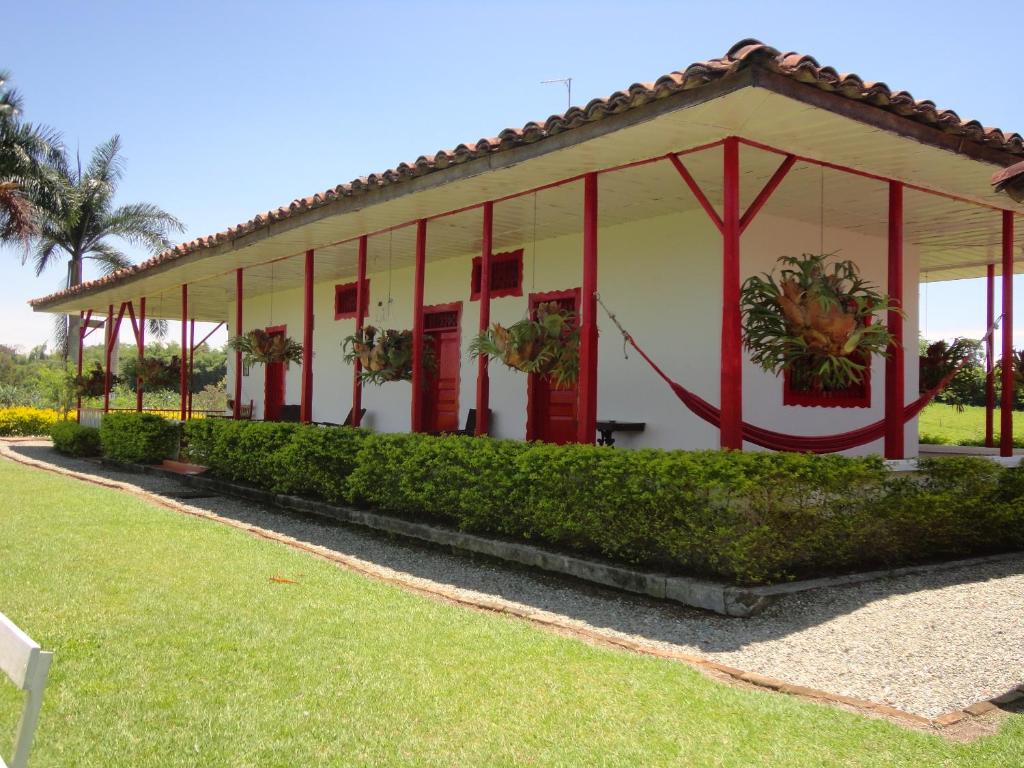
x=544 y=619
x=724 y=599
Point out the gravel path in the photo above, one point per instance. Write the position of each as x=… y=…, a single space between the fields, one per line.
x=926 y=643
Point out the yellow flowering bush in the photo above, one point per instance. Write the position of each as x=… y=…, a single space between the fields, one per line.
x=21 y=421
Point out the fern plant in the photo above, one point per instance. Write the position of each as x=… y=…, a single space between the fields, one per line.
x=814 y=319
x=385 y=355
x=258 y=346
x=547 y=345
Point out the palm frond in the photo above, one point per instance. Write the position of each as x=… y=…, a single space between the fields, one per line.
x=157 y=328
x=108 y=258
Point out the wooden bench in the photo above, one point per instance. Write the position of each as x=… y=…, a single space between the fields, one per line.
x=609 y=427
x=27 y=665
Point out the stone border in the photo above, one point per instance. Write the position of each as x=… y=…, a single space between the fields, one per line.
x=721 y=598
x=946 y=724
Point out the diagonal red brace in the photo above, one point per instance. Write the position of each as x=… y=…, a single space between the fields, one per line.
x=764 y=194
x=697 y=191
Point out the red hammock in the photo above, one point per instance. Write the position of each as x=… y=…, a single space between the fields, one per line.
x=779 y=441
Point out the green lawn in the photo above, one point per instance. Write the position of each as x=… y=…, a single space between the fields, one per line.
x=173 y=648
x=940 y=423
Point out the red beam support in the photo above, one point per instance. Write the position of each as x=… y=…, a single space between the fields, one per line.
x=483 y=381
x=895 y=384
x=698 y=192
x=1006 y=413
x=191 y=361
x=587 y=392
x=764 y=194
x=731 y=429
x=140 y=338
x=184 y=346
x=417 y=327
x=237 y=331
x=990 y=357
x=306 y=407
x=112 y=329
x=81 y=349
x=362 y=300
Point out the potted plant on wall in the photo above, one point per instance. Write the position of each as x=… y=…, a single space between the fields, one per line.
x=815 y=321
x=547 y=344
x=385 y=355
x=258 y=346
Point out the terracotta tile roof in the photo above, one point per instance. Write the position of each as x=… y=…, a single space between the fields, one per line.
x=744 y=54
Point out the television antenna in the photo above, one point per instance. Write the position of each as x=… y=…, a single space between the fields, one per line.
x=567 y=82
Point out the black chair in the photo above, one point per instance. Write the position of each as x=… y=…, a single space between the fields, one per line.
x=469 y=430
x=348 y=419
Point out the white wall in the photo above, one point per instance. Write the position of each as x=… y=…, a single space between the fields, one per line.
x=661 y=276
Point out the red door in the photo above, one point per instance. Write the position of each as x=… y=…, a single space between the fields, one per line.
x=551 y=412
x=440 y=396
x=273 y=387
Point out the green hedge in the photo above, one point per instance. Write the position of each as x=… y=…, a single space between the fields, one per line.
x=73 y=439
x=746 y=517
x=142 y=438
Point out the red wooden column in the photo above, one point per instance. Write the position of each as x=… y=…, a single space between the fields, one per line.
x=731 y=429
x=306 y=407
x=483 y=380
x=417 y=326
x=108 y=349
x=990 y=357
x=362 y=300
x=141 y=339
x=587 y=416
x=184 y=347
x=81 y=348
x=191 y=361
x=237 y=331
x=1006 y=413
x=895 y=385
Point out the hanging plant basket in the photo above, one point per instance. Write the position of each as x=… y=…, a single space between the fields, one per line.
x=258 y=346
x=814 y=320
x=548 y=345
x=92 y=383
x=385 y=355
x=155 y=373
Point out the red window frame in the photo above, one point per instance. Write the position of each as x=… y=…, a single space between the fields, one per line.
x=498 y=260
x=349 y=289
x=854 y=396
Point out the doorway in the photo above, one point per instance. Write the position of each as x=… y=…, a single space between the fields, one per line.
x=273 y=385
x=440 y=394
x=551 y=411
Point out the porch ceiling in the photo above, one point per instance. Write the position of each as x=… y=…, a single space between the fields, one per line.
x=957 y=239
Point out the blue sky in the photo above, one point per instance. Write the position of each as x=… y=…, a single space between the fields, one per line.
x=228 y=109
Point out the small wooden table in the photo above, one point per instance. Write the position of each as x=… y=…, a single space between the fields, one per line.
x=609 y=427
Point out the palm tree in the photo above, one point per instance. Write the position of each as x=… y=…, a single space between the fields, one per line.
x=79 y=222
x=24 y=152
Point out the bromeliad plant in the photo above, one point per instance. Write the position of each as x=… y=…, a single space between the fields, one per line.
x=814 y=320
x=385 y=355
x=155 y=373
x=548 y=345
x=258 y=346
x=93 y=382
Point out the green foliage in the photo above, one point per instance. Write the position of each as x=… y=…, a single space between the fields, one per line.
x=385 y=355
x=814 y=320
x=547 y=344
x=258 y=346
x=138 y=438
x=745 y=517
x=23 y=421
x=73 y=439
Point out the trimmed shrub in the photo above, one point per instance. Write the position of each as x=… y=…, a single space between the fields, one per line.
x=138 y=438
x=73 y=439
x=21 y=421
x=748 y=518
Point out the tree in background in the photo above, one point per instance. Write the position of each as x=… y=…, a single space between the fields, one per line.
x=80 y=221
x=25 y=150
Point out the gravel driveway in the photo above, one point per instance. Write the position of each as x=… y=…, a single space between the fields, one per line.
x=926 y=643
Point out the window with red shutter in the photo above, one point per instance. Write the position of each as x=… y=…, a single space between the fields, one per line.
x=345 y=300
x=506 y=275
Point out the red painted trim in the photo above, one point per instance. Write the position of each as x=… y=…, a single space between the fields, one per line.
x=587 y=392
x=206 y=338
x=483 y=380
x=895 y=370
x=731 y=385
x=109 y=343
x=141 y=338
x=183 y=393
x=857 y=396
x=272 y=329
x=495 y=259
x=416 y=417
x=990 y=356
x=87 y=316
x=306 y=397
x=697 y=191
x=531 y=380
x=1006 y=408
x=191 y=361
x=766 y=192
x=352 y=289
x=362 y=299
x=236 y=409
